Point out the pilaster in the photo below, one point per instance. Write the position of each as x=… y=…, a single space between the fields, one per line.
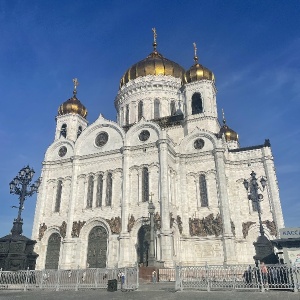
x=228 y=238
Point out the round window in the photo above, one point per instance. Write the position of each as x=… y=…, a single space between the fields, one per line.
x=62 y=151
x=101 y=139
x=198 y=144
x=144 y=135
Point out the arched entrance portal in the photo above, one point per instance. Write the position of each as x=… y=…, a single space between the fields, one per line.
x=97 y=248
x=53 y=249
x=143 y=245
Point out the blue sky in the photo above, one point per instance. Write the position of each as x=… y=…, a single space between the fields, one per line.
x=251 y=46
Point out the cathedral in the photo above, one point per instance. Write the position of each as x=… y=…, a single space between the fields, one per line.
x=168 y=149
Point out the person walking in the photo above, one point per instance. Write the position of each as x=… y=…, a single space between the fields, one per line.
x=154 y=276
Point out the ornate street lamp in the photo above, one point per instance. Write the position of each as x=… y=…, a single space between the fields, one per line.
x=252 y=187
x=151 y=210
x=19 y=186
x=264 y=250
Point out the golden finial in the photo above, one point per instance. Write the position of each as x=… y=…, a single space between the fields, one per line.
x=195 y=53
x=154 y=38
x=76 y=84
x=223 y=116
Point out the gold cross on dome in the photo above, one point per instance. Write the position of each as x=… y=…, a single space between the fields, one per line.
x=76 y=83
x=223 y=116
x=195 y=49
x=154 y=34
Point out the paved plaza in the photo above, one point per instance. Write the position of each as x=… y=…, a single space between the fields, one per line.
x=146 y=291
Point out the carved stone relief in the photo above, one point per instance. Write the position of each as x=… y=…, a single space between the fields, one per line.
x=115 y=224
x=76 y=228
x=131 y=222
x=171 y=220
x=63 y=229
x=246 y=227
x=42 y=230
x=232 y=227
x=206 y=226
x=157 y=221
x=179 y=224
x=271 y=226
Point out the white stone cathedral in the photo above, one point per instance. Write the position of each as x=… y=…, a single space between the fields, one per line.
x=167 y=147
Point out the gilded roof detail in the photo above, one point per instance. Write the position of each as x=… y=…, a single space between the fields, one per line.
x=153 y=64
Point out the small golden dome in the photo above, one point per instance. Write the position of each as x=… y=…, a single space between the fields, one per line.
x=73 y=105
x=230 y=135
x=153 y=64
x=197 y=71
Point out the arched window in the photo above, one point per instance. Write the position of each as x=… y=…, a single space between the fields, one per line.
x=197 y=105
x=89 y=200
x=203 y=191
x=145 y=185
x=108 y=189
x=79 y=131
x=63 y=130
x=53 y=250
x=156 y=109
x=140 y=110
x=172 y=108
x=127 y=115
x=99 y=190
x=58 y=196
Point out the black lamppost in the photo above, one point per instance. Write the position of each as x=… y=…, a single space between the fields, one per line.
x=19 y=186
x=252 y=187
x=264 y=251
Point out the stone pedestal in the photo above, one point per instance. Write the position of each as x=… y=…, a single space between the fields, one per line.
x=264 y=251
x=16 y=250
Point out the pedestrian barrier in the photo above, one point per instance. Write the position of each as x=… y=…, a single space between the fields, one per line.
x=238 y=277
x=127 y=279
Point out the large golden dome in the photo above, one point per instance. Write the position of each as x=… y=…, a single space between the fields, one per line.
x=73 y=105
x=197 y=71
x=153 y=64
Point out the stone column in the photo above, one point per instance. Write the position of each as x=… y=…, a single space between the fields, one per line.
x=272 y=186
x=228 y=238
x=183 y=199
x=95 y=191
x=68 y=244
x=124 y=247
x=104 y=190
x=140 y=186
x=166 y=236
x=197 y=189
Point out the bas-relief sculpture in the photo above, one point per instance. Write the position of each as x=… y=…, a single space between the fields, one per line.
x=206 y=226
x=76 y=228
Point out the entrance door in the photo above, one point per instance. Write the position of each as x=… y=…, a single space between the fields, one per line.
x=97 y=248
x=143 y=245
x=53 y=249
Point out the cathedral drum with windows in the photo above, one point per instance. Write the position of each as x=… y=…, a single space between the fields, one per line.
x=167 y=147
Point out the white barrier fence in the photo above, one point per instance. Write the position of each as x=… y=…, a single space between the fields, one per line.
x=69 y=279
x=237 y=277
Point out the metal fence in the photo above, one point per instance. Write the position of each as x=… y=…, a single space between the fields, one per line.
x=69 y=279
x=238 y=277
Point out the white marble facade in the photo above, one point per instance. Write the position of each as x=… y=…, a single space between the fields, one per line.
x=69 y=201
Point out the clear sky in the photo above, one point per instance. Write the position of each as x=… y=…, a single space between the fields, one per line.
x=253 y=48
